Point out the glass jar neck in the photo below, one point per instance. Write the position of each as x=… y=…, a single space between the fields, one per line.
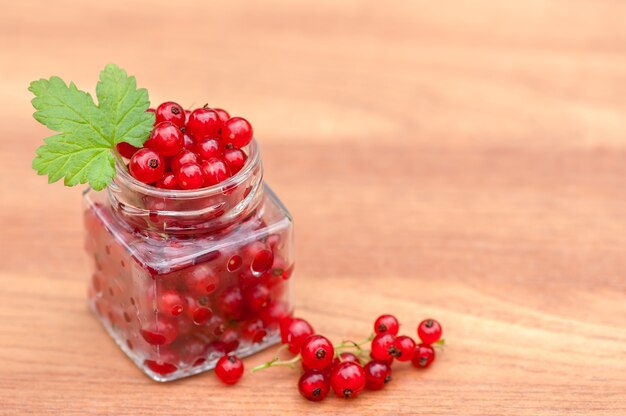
x=182 y=212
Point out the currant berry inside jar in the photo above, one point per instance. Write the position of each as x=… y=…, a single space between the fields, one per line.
x=182 y=277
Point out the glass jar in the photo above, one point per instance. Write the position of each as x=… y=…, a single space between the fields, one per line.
x=181 y=278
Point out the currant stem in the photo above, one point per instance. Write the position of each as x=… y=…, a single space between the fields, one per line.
x=351 y=344
x=275 y=362
x=119 y=158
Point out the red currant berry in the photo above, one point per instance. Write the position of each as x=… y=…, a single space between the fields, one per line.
x=348 y=380
x=168 y=181
x=234 y=263
x=160 y=367
x=317 y=352
x=159 y=332
x=127 y=150
x=215 y=171
x=188 y=142
x=257 y=297
x=215 y=326
x=201 y=315
x=171 y=302
x=404 y=347
x=203 y=123
x=235 y=159
x=273 y=314
x=382 y=347
x=222 y=114
x=423 y=356
x=197 y=309
x=377 y=374
x=216 y=349
x=295 y=332
x=167 y=164
x=166 y=138
x=246 y=278
x=237 y=131
x=231 y=302
x=182 y=158
x=146 y=166
x=283 y=325
x=200 y=280
x=208 y=148
x=230 y=338
x=429 y=331
x=190 y=176
x=172 y=112
x=259 y=256
x=229 y=369
x=386 y=324
x=314 y=385
x=345 y=357
x=253 y=330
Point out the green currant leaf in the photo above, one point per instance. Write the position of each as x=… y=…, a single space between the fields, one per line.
x=124 y=106
x=83 y=150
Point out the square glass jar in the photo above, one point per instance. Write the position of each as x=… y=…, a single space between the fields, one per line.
x=180 y=278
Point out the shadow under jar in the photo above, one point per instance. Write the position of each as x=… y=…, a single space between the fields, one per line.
x=182 y=277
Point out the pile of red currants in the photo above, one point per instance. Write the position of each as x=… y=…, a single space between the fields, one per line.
x=189 y=149
x=349 y=367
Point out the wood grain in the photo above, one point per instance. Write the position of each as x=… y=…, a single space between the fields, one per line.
x=462 y=160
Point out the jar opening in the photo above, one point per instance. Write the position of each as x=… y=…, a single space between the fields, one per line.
x=124 y=178
x=188 y=211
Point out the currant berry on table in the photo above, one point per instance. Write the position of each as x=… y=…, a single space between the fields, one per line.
x=294 y=333
x=314 y=385
x=317 y=352
x=348 y=367
x=383 y=347
x=429 y=331
x=377 y=374
x=386 y=324
x=348 y=380
x=346 y=357
x=403 y=347
x=423 y=356
x=229 y=369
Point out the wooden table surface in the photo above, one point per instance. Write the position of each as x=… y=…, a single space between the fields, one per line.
x=460 y=160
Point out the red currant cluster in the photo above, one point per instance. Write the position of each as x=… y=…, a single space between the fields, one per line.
x=349 y=367
x=189 y=149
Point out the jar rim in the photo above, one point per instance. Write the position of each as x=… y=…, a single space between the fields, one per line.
x=124 y=176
